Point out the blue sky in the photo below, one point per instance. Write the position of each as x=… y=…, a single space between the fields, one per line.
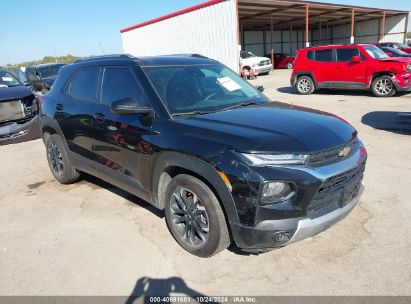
x=39 y=28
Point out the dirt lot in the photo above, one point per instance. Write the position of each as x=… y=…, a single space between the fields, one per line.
x=92 y=239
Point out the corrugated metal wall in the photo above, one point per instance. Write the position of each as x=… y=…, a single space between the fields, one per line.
x=365 y=32
x=210 y=31
x=394 y=28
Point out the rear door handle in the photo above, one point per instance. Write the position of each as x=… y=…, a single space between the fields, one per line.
x=59 y=107
x=99 y=117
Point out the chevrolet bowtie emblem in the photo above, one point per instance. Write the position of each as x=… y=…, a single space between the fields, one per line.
x=344 y=152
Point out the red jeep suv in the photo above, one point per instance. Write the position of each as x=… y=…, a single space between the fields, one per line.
x=362 y=66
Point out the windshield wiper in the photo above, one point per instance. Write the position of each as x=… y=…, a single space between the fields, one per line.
x=191 y=113
x=241 y=105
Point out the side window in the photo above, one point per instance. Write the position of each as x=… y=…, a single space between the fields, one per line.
x=324 y=55
x=310 y=55
x=120 y=83
x=83 y=84
x=345 y=55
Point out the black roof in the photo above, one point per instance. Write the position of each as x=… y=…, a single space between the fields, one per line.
x=164 y=60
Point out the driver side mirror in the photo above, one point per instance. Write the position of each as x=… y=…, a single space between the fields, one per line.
x=127 y=106
x=356 y=59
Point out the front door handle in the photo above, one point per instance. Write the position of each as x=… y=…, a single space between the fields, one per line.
x=99 y=117
x=59 y=107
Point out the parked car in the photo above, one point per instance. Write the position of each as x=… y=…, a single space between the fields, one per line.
x=362 y=66
x=190 y=136
x=399 y=46
x=251 y=63
x=282 y=61
x=18 y=111
x=391 y=52
x=42 y=76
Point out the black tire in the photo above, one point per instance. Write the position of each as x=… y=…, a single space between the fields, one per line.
x=383 y=87
x=305 y=85
x=59 y=162
x=201 y=214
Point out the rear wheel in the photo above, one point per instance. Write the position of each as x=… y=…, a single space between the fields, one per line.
x=195 y=217
x=305 y=85
x=59 y=162
x=383 y=86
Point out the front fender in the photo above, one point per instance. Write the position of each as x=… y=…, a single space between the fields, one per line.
x=202 y=168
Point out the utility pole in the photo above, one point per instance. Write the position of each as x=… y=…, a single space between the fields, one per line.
x=101 y=47
x=55 y=55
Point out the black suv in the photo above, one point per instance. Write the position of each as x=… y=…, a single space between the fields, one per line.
x=189 y=136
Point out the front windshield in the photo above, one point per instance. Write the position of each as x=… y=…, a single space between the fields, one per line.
x=49 y=71
x=245 y=55
x=375 y=52
x=201 y=88
x=395 y=51
x=8 y=80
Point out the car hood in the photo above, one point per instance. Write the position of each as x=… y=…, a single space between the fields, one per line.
x=396 y=59
x=272 y=127
x=14 y=92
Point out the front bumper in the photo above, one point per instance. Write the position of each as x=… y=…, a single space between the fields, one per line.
x=278 y=233
x=12 y=133
x=402 y=82
x=328 y=193
x=263 y=69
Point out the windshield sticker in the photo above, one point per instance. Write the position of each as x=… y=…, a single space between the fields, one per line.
x=9 y=79
x=229 y=84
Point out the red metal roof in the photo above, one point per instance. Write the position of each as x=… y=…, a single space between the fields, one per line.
x=181 y=12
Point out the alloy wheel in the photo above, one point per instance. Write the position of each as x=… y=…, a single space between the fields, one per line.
x=384 y=86
x=304 y=85
x=56 y=159
x=189 y=217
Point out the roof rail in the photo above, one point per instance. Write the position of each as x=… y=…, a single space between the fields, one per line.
x=105 y=57
x=189 y=55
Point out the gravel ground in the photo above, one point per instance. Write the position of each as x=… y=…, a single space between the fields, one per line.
x=92 y=239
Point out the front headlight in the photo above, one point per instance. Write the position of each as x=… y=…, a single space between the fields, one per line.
x=263 y=160
x=276 y=192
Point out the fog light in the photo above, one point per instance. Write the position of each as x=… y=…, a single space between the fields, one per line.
x=274 y=192
x=282 y=236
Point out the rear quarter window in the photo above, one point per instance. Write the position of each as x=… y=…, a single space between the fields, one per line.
x=310 y=55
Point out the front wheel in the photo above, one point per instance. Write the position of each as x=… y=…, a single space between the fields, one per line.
x=195 y=217
x=305 y=85
x=290 y=65
x=383 y=86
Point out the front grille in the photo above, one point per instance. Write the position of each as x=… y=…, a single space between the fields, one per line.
x=11 y=110
x=337 y=191
x=331 y=156
x=264 y=63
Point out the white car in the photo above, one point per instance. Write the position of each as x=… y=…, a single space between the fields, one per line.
x=250 y=62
